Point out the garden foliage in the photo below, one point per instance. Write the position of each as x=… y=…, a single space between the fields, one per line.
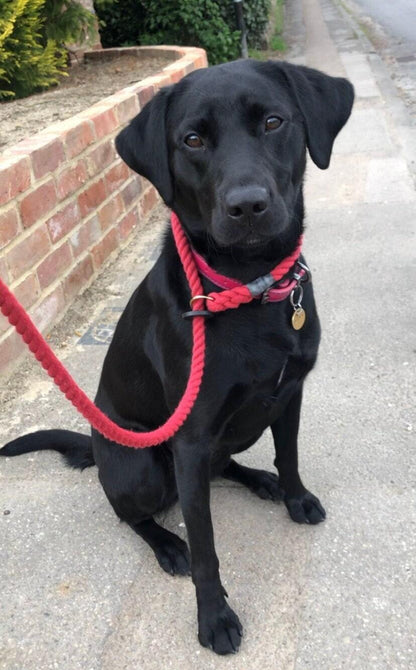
x=120 y=21
x=190 y=22
x=256 y=18
x=32 y=38
x=209 y=24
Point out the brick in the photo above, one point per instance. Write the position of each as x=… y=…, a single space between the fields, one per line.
x=128 y=108
x=28 y=291
x=38 y=203
x=63 y=221
x=11 y=349
x=14 y=177
x=4 y=325
x=103 y=249
x=145 y=94
x=189 y=66
x=4 y=273
x=52 y=267
x=47 y=158
x=160 y=81
x=145 y=184
x=131 y=191
x=148 y=201
x=100 y=157
x=28 y=252
x=92 y=197
x=78 y=278
x=200 y=62
x=71 y=179
x=49 y=309
x=176 y=74
x=85 y=236
x=110 y=213
x=127 y=224
x=9 y=225
x=78 y=138
x=104 y=122
x=116 y=176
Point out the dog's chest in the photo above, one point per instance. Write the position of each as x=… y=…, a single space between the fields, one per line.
x=250 y=375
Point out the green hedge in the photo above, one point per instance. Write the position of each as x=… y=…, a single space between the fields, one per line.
x=256 y=18
x=32 y=37
x=190 y=22
x=120 y=21
x=206 y=23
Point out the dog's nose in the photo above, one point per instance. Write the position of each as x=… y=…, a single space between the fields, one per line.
x=246 y=202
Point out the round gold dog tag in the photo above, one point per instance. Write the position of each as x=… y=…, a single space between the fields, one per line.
x=298 y=318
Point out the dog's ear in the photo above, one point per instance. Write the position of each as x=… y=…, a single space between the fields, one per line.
x=143 y=144
x=325 y=104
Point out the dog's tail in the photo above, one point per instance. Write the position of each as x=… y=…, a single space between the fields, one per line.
x=74 y=447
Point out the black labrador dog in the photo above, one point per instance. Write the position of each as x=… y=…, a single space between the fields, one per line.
x=226 y=149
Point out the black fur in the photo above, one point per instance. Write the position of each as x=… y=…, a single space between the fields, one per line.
x=226 y=149
x=74 y=447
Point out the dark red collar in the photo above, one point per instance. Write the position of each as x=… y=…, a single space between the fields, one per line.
x=282 y=291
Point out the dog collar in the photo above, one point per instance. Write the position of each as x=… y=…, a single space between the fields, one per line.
x=284 y=280
x=277 y=293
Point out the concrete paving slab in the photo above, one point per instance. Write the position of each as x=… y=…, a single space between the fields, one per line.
x=60 y=592
x=367 y=133
x=258 y=548
x=388 y=180
x=357 y=602
x=320 y=49
x=360 y=74
x=342 y=183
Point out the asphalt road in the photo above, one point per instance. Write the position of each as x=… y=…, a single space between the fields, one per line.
x=398 y=18
x=390 y=25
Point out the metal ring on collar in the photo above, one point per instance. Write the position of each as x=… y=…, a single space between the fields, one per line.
x=307 y=271
x=200 y=297
x=297 y=303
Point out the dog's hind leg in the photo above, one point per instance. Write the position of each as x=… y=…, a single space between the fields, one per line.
x=138 y=484
x=262 y=483
x=171 y=552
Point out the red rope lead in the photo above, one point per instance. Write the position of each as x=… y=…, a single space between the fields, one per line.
x=234 y=297
x=228 y=299
x=17 y=316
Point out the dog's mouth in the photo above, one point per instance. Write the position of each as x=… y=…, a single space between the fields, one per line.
x=251 y=244
x=253 y=240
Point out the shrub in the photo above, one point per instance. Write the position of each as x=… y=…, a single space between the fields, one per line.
x=68 y=22
x=27 y=62
x=120 y=21
x=210 y=24
x=32 y=36
x=190 y=22
x=256 y=18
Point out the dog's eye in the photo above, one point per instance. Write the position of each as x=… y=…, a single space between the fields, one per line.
x=194 y=141
x=273 y=122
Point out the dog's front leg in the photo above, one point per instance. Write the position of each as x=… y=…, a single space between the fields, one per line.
x=218 y=626
x=302 y=505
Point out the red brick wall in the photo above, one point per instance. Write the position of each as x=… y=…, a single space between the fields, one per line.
x=67 y=202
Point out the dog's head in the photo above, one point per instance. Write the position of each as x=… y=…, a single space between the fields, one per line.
x=226 y=146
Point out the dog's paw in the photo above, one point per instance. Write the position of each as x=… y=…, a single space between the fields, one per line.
x=174 y=557
x=220 y=631
x=305 y=508
x=265 y=485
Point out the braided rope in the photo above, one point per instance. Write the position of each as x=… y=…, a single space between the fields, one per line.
x=17 y=316
x=234 y=297
x=228 y=299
